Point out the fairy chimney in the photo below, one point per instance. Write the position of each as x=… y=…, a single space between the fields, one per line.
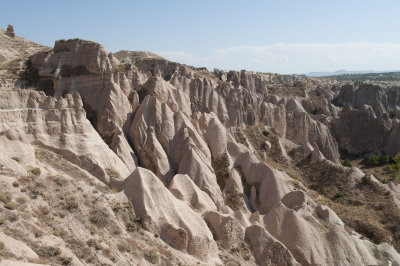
x=10 y=31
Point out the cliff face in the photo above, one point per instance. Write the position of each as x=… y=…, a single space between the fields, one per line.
x=215 y=165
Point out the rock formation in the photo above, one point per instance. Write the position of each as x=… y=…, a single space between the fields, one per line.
x=10 y=31
x=151 y=161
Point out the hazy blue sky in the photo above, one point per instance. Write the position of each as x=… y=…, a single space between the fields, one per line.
x=271 y=36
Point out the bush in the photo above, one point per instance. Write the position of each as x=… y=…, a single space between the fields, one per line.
x=393 y=175
x=373 y=160
x=99 y=217
x=396 y=158
x=5 y=198
x=346 y=162
x=339 y=194
x=234 y=200
x=11 y=205
x=36 y=171
x=265 y=133
x=384 y=159
x=152 y=257
x=48 y=252
x=366 y=180
x=293 y=152
x=1 y=245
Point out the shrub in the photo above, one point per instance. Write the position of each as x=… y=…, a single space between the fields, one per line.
x=1 y=245
x=384 y=159
x=339 y=194
x=293 y=152
x=396 y=158
x=234 y=200
x=393 y=175
x=152 y=257
x=36 y=171
x=366 y=180
x=221 y=168
x=373 y=160
x=265 y=133
x=389 y=168
x=99 y=217
x=11 y=205
x=346 y=162
x=48 y=252
x=13 y=217
x=17 y=159
x=5 y=198
x=65 y=260
x=15 y=184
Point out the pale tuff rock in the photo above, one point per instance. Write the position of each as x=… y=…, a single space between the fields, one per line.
x=178 y=122
x=183 y=188
x=175 y=222
x=302 y=236
x=180 y=146
x=85 y=67
x=9 y=167
x=375 y=254
x=17 y=248
x=166 y=93
x=225 y=228
x=294 y=200
x=57 y=125
x=317 y=156
x=326 y=214
x=123 y=150
x=267 y=250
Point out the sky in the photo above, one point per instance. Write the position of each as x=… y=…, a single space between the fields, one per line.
x=281 y=36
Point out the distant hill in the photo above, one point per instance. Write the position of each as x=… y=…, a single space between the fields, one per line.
x=343 y=72
x=382 y=76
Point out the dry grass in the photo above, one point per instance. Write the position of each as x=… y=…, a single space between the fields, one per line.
x=58 y=162
x=221 y=168
x=366 y=207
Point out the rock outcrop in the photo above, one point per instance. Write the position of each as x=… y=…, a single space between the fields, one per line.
x=10 y=31
x=175 y=222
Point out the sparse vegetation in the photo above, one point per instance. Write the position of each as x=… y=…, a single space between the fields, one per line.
x=152 y=256
x=265 y=133
x=339 y=194
x=366 y=180
x=293 y=152
x=36 y=171
x=221 y=168
x=373 y=160
x=386 y=76
x=234 y=200
x=48 y=252
x=11 y=205
x=384 y=159
x=346 y=162
x=99 y=217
